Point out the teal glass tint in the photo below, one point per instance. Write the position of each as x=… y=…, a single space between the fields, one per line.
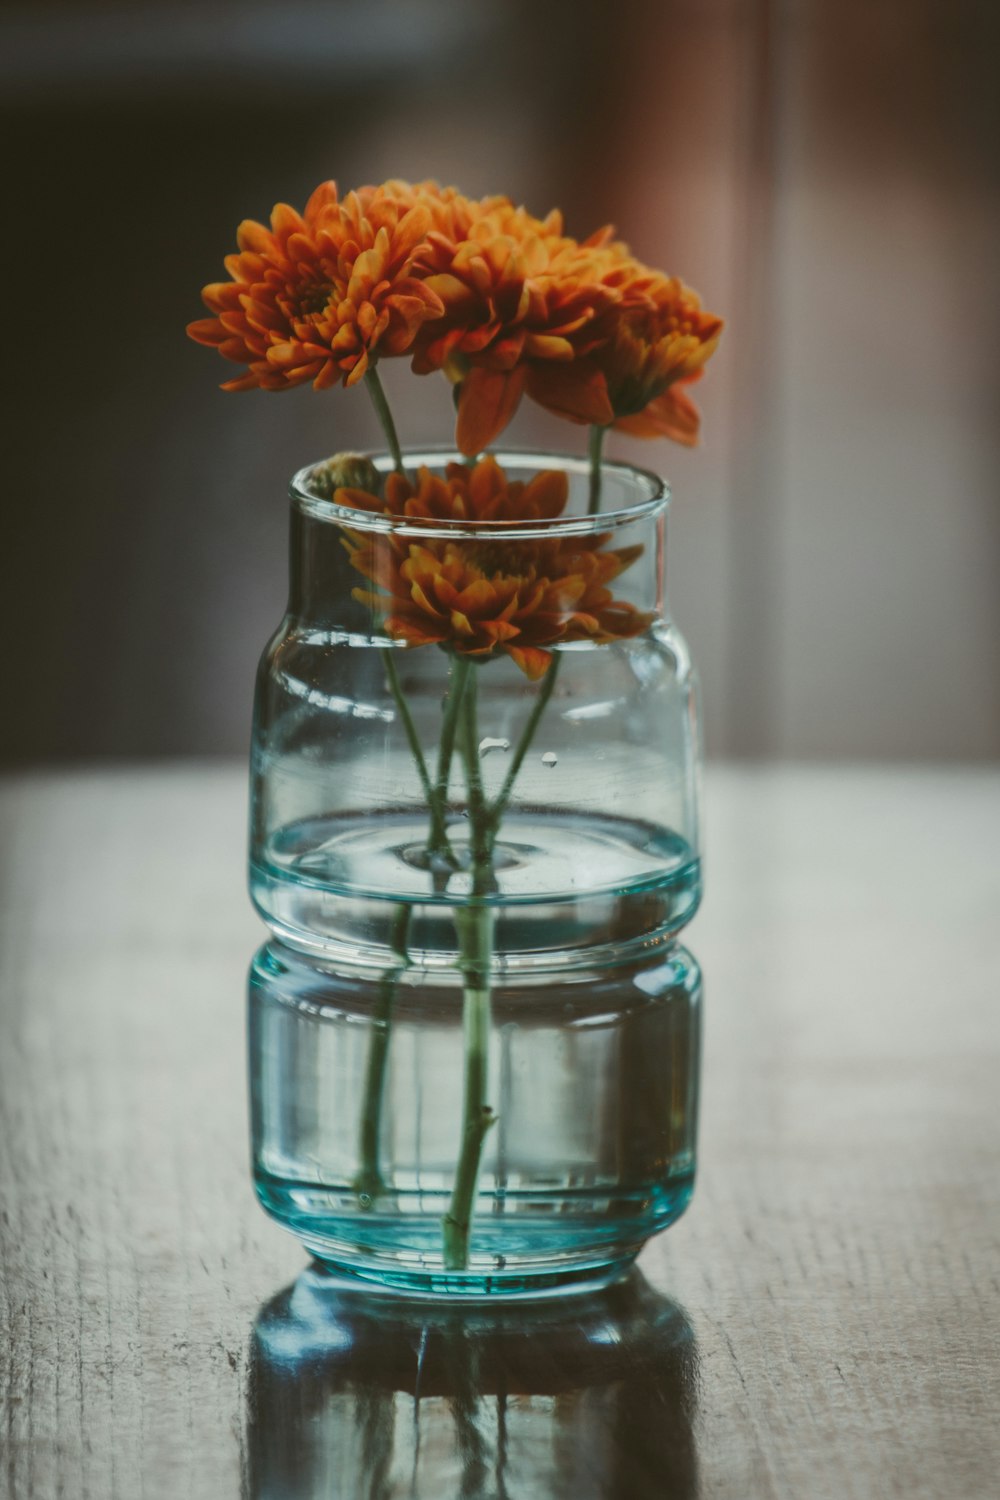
x=473 y=1039
x=593 y=1077
x=600 y=831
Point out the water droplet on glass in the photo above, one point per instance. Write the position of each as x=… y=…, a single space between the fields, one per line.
x=485 y=746
x=550 y=759
x=365 y=1200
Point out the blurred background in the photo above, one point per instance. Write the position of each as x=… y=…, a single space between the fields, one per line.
x=826 y=174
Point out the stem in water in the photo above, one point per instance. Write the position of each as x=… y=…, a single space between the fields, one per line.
x=369 y=1182
x=474 y=929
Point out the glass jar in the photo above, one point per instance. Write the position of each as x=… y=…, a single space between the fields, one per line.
x=474 y=836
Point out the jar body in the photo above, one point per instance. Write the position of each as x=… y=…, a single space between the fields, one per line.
x=593 y=1076
x=474 y=860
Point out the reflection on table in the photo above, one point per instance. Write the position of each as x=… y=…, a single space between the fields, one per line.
x=361 y=1395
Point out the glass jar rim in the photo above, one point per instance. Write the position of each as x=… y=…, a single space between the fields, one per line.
x=652 y=502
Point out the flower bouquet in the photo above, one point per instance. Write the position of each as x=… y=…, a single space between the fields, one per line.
x=451 y=930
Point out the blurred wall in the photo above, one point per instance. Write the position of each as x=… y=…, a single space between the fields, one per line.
x=825 y=173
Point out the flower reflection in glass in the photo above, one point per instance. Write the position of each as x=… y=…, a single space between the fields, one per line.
x=489 y=594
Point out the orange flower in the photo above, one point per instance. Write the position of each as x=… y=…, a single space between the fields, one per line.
x=489 y=595
x=451 y=212
x=516 y=296
x=321 y=294
x=656 y=340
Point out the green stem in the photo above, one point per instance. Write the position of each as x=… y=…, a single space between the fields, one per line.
x=474 y=925
x=595 y=451
x=479 y=811
x=381 y=406
x=438 y=841
x=369 y=1179
x=474 y=929
x=396 y=688
x=499 y=807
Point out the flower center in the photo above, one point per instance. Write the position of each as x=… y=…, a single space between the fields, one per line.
x=511 y=559
x=313 y=297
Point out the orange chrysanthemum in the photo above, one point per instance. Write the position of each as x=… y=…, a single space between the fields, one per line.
x=488 y=595
x=451 y=212
x=320 y=294
x=503 y=302
x=516 y=295
x=655 y=340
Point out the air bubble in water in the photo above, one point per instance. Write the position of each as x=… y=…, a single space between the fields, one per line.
x=550 y=759
x=485 y=746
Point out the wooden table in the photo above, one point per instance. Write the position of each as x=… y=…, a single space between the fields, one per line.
x=823 y=1322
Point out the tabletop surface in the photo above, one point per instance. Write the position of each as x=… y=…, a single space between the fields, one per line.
x=822 y=1323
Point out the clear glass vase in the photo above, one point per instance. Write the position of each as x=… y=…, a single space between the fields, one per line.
x=474 y=836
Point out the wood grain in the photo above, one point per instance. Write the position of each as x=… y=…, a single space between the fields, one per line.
x=823 y=1323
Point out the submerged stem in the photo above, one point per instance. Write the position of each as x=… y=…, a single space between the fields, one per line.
x=369 y=1181
x=474 y=926
x=595 y=451
x=474 y=929
x=381 y=405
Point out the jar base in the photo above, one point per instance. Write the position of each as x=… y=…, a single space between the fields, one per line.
x=469 y=1286
x=510 y=1259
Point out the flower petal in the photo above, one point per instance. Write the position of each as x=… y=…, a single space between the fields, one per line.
x=325 y=196
x=207 y=331
x=253 y=236
x=671 y=415
x=486 y=403
x=480 y=595
x=412 y=633
x=533 y=662
x=545 y=496
x=572 y=391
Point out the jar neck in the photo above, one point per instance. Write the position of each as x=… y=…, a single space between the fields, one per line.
x=316 y=571
x=612 y=571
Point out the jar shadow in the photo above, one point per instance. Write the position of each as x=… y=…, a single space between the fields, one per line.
x=375 y=1397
